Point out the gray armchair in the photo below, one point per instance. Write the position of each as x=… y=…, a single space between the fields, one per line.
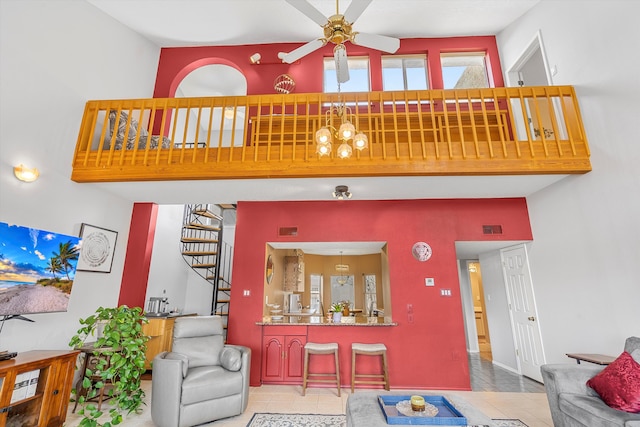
x=201 y=379
x=575 y=404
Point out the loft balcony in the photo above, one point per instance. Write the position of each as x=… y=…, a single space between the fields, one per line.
x=496 y=131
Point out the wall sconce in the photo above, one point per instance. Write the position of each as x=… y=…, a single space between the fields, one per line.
x=25 y=174
x=255 y=58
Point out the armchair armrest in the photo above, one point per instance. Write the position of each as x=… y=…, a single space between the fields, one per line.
x=565 y=378
x=244 y=370
x=168 y=372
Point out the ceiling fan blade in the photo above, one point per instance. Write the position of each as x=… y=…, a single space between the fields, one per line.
x=311 y=12
x=342 y=65
x=355 y=9
x=303 y=50
x=376 y=41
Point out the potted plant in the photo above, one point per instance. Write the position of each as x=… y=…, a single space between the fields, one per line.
x=121 y=358
x=336 y=308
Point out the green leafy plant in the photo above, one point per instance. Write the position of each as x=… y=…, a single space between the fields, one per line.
x=336 y=307
x=121 y=363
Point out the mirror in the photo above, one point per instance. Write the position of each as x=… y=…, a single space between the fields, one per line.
x=269 y=270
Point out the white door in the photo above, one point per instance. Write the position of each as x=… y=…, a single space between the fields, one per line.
x=522 y=309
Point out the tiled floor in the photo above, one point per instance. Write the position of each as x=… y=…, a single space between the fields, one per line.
x=496 y=392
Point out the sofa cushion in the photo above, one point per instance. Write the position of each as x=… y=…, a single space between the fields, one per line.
x=591 y=411
x=231 y=359
x=619 y=384
x=210 y=382
x=200 y=339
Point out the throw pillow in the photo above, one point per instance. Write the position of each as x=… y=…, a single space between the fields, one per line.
x=618 y=385
x=231 y=359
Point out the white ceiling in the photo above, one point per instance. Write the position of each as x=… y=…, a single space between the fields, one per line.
x=173 y=23
x=232 y=22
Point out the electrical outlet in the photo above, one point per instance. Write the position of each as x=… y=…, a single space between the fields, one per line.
x=246 y=293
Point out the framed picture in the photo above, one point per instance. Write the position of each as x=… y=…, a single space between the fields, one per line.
x=97 y=248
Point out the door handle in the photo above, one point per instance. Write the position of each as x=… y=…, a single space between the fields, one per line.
x=533 y=319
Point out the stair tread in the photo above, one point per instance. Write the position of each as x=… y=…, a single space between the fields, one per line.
x=203 y=265
x=206 y=213
x=196 y=253
x=196 y=226
x=197 y=240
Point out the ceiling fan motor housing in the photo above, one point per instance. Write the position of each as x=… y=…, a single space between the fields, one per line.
x=337 y=30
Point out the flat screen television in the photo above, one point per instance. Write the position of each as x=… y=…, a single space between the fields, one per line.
x=37 y=269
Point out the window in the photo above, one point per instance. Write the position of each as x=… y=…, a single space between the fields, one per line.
x=464 y=70
x=404 y=72
x=358 y=75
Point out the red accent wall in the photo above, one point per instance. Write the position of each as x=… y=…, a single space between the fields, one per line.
x=138 y=258
x=176 y=63
x=428 y=353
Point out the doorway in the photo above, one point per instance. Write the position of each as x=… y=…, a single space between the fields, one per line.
x=479 y=309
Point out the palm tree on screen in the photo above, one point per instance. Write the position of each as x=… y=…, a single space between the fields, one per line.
x=67 y=253
x=54 y=266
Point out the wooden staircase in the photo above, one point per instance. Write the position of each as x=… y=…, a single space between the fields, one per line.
x=207 y=254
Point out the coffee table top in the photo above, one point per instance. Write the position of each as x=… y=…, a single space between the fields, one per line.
x=363 y=409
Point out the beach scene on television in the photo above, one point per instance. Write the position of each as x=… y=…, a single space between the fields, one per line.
x=37 y=269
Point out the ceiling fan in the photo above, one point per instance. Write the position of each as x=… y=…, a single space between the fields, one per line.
x=337 y=30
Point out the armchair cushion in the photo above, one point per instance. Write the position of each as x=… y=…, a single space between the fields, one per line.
x=208 y=383
x=231 y=359
x=199 y=339
x=619 y=384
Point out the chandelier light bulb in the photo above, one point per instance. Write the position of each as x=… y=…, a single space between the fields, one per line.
x=344 y=151
x=323 y=148
x=323 y=136
x=347 y=130
x=360 y=141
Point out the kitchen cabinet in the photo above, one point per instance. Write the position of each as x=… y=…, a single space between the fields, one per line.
x=293 y=274
x=44 y=398
x=283 y=356
x=160 y=333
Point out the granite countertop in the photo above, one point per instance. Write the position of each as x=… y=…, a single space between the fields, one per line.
x=323 y=321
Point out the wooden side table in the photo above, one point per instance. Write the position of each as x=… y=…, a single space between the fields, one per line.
x=598 y=359
x=92 y=356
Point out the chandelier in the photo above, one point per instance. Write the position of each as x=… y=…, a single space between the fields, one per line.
x=342 y=279
x=341 y=128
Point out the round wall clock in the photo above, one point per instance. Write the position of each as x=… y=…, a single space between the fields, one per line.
x=421 y=251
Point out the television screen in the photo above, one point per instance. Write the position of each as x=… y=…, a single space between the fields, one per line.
x=37 y=269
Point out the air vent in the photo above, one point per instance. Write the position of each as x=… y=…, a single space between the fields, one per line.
x=491 y=229
x=288 y=231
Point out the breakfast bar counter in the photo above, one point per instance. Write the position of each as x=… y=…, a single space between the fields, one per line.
x=323 y=321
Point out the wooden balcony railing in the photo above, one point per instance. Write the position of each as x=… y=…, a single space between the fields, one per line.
x=499 y=131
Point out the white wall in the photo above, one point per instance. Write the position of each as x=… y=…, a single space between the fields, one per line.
x=168 y=272
x=586 y=252
x=469 y=318
x=55 y=57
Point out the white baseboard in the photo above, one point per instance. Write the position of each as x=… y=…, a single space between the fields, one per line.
x=508 y=368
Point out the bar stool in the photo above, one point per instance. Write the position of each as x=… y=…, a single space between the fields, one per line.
x=319 y=348
x=369 y=350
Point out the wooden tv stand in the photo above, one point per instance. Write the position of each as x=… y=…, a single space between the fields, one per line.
x=51 y=390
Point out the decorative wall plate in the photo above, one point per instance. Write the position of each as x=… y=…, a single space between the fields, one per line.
x=421 y=251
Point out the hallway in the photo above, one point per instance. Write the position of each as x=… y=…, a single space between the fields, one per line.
x=485 y=376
